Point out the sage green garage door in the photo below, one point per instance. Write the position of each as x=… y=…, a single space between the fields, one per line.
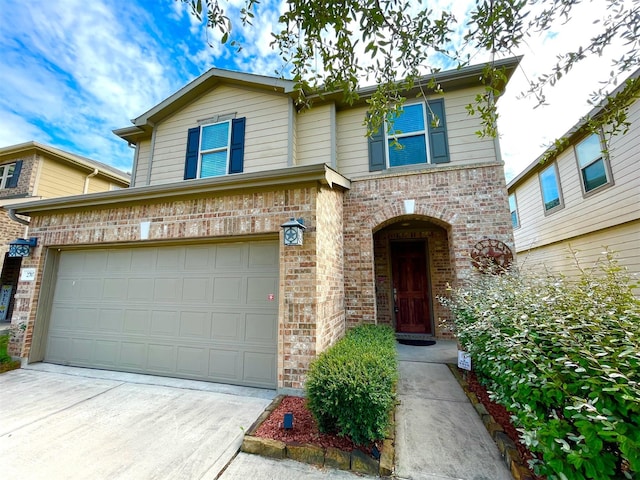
x=205 y=312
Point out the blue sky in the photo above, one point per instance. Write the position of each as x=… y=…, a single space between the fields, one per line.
x=74 y=70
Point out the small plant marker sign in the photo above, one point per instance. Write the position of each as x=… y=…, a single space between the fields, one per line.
x=464 y=360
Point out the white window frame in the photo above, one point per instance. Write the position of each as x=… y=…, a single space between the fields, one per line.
x=605 y=162
x=424 y=133
x=514 y=210
x=227 y=148
x=560 y=205
x=4 y=174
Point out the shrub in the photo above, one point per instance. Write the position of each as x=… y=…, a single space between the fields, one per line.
x=564 y=357
x=351 y=386
x=4 y=342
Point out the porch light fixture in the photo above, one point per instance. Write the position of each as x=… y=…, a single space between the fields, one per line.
x=21 y=247
x=293 y=231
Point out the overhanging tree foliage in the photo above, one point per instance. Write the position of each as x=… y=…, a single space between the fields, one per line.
x=329 y=46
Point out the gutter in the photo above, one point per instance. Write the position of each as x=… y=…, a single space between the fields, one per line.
x=12 y=216
x=86 y=180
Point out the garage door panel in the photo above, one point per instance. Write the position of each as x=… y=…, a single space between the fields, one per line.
x=114 y=289
x=133 y=355
x=139 y=289
x=224 y=364
x=110 y=320
x=136 y=321
x=198 y=258
x=227 y=290
x=264 y=256
x=195 y=324
x=192 y=361
x=259 y=368
x=119 y=261
x=106 y=353
x=164 y=323
x=206 y=312
x=260 y=329
x=85 y=319
x=162 y=358
x=261 y=289
x=226 y=326
x=169 y=258
x=230 y=256
x=197 y=290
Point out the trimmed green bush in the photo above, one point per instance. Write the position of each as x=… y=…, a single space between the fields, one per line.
x=564 y=358
x=351 y=386
x=4 y=342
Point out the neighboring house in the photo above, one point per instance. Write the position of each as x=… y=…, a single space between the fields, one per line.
x=585 y=199
x=186 y=273
x=32 y=171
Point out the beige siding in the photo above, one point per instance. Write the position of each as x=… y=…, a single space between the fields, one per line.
x=613 y=205
x=266 y=135
x=464 y=145
x=142 y=167
x=59 y=180
x=623 y=240
x=98 y=184
x=314 y=135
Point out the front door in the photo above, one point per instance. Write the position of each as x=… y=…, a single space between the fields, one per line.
x=410 y=287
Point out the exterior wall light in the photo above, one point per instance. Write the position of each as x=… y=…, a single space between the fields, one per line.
x=21 y=247
x=293 y=232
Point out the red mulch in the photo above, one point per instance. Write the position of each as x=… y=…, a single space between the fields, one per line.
x=304 y=428
x=502 y=417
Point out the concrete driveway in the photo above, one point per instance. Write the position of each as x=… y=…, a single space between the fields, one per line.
x=71 y=423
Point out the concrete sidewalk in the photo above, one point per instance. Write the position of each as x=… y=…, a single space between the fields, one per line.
x=439 y=435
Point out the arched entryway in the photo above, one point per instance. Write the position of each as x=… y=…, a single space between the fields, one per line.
x=413 y=267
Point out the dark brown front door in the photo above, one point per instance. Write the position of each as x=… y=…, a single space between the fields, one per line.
x=410 y=287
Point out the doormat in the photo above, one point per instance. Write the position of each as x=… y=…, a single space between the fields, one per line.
x=417 y=343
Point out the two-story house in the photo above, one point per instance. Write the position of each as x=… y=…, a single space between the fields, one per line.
x=582 y=200
x=189 y=272
x=31 y=171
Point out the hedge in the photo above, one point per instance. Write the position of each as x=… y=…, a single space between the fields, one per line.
x=350 y=387
x=563 y=357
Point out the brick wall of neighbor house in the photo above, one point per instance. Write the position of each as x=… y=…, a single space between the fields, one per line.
x=223 y=217
x=470 y=202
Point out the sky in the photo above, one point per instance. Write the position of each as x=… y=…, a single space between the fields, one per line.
x=71 y=71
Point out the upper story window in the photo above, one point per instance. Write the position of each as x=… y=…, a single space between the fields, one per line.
x=513 y=207
x=9 y=173
x=215 y=149
x=593 y=163
x=550 y=186
x=417 y=135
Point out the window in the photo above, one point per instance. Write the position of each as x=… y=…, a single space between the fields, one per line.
x=550 y=188
x=419 y=136
x=592 y=162
x=9 y=174
x=215 y=149
x=513 y=207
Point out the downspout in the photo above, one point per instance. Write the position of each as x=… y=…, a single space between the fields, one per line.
x=86 y=180
x=12 y=216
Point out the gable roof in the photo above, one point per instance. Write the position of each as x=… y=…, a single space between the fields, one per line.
x=66 y=157
x=143 y=124
x=572 y=133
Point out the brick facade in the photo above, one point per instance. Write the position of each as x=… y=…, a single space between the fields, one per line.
x=340 y=276
x=463 y=204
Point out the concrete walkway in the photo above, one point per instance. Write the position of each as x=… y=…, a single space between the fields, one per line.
x=439 y=435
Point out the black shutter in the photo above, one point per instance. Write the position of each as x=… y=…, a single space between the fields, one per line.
x=236 y=156
x=377 y=158
x=438 y=141
x=191 y=159
x=13 y=181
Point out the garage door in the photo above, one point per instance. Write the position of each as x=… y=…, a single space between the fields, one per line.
x=205 y=312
